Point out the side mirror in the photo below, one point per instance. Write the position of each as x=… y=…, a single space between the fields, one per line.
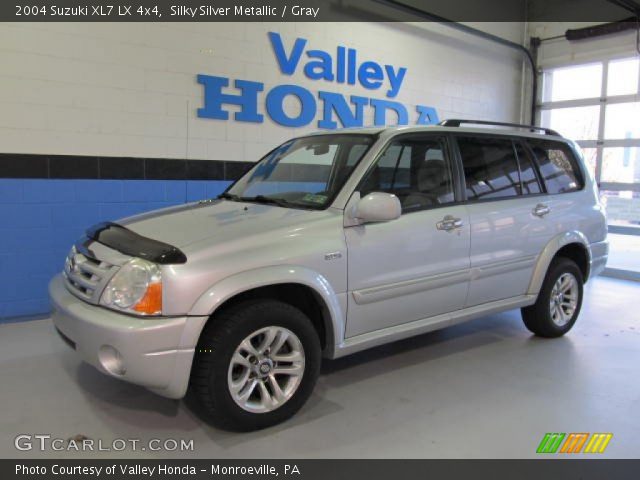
x=377 y=207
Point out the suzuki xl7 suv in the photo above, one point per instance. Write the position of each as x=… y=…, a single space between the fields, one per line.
x=333 y=243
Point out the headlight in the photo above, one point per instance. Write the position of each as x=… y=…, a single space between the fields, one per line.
x=135 y=288
x=68 y=262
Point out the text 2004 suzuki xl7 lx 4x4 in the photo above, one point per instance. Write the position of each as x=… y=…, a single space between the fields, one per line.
x=333 y=243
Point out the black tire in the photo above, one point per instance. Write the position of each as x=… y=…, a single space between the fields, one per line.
x=218 y=342
x=537 y=317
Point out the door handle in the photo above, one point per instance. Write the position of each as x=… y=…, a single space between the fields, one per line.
x=449 y=223
x=541 y=210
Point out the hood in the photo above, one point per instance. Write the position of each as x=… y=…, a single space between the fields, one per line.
x=218 y=220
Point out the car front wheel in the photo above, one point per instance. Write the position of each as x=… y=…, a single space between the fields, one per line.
x=256 y=365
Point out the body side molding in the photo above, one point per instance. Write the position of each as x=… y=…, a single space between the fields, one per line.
x=418 y=327
x=407 y=287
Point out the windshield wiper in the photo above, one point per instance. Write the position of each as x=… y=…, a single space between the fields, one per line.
x=267 y=200
x=229 y=196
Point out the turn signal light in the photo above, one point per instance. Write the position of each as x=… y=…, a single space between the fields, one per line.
x=151 y=302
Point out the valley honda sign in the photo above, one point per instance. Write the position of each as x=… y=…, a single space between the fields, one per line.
x=337 y=111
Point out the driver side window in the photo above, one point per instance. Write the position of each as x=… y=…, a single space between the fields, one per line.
x=416 y=170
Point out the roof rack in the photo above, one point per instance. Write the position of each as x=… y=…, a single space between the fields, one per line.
x=457 y=122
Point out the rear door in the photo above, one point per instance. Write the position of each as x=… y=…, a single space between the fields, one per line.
x=566 y=205
x=502 y=191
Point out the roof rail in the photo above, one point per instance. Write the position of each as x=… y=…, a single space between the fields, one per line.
x=457 y=122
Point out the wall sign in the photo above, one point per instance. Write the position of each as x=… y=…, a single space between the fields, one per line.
x=343 y=67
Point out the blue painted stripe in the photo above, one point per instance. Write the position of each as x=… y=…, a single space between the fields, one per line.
x=40 y=219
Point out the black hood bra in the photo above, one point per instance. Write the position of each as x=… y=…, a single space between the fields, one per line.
x=130 y=243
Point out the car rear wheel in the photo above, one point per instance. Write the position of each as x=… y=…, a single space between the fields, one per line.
x=255 y=365
x=559 y=301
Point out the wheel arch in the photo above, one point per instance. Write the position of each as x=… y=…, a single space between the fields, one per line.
x=298 y=286
x=573 y=245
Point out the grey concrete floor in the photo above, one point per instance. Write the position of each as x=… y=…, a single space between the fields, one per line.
x=484 y=389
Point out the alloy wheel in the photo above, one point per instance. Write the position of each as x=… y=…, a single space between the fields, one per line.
x=266 y=369
x=564 y=299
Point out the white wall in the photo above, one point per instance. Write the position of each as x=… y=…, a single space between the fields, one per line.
x=130 y=89
x=512 y=31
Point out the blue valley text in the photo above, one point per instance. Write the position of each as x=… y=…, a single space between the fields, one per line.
x=345 y=68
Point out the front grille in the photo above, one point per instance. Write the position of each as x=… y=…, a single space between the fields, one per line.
x=86 y=277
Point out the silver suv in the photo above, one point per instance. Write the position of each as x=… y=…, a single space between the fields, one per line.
x=333 y=243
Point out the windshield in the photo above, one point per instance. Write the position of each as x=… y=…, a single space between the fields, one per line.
x=304 y=172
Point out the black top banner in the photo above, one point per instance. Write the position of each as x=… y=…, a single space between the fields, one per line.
x=312 y=10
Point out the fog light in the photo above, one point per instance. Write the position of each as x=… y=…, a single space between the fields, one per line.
x=111 y=360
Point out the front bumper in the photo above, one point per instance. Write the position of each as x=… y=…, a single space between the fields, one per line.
x=156 y=353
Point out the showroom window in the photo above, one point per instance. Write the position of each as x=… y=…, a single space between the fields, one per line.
x=598 y=105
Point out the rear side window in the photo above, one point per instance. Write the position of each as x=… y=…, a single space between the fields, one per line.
x=490 y=168
x=557 y=165
x=528 y=177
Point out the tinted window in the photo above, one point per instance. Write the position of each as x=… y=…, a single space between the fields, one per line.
x=490 y=168
x=557 y=166
x=416 y=170
x=528 y=176
x=394 y=168
x=356 y=153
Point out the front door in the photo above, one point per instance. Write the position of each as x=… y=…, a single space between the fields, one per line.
x=416 y=266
